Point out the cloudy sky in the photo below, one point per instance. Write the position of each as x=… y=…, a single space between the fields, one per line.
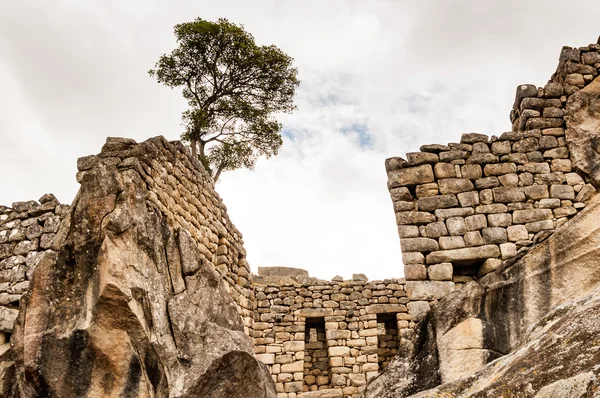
x=379 y=79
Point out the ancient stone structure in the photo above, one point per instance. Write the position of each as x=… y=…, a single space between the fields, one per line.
x=483 y=208
x=141 y=287
x=464 y=208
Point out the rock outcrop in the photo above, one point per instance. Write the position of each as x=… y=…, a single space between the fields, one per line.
x=123 y=305
x=539 y=316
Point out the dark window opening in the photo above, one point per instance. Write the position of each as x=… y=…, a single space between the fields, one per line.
x=387 y=339
x=316 y=360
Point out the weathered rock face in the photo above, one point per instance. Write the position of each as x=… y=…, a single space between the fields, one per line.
x=124 y=305
x=583 y=125
x=558 y=357
x=483 y=321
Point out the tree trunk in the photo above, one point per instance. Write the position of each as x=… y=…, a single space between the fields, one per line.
x=217 y=174
x=194 y=149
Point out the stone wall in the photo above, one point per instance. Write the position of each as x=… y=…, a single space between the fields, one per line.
x=27 y=230
x=327 y=338
x=468 y=208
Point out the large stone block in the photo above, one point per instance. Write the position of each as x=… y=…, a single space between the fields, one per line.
x=499 y=169
x=418 y=245
x=463 y=256
x=508 y=195
x=455 y=185
x=494 y=235
x=411 y=176
x=428 y=290
x=440 y=272
x=414 y=218
x=527 y=216
x=437 y=202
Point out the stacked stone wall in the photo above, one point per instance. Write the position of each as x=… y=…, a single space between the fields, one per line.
x=466 y=209
x=27 y=230
x=353 y=345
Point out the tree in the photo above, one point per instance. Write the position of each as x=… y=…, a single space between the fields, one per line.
x=233 y=87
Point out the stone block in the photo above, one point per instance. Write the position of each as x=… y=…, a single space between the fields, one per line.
x=418 y=158
x=414 y=218
x=451 y=242
x=471 y=138
x=487 y=182
x=426 y=190
x=428 y=290
x=489 y=265
x=440 y=272
x=401 y=194
x=408 y=231
x=499 y=169
x=563 y=192
x=415 y=272
x=508 y=195
x=437 y=202
x=482 y=158
x=411 y=176
x=486 y=197
x=550 y=203
x=436 y=229
x=385 y=308
x=434 y=148
x=499 y=220
x=418 y=310
x=501 y=148
x=471 y=171
x=494 y=235
x=449 y=156
x=337 y=334
x=536 y=192
x=509 y=180
x=456 y=226
x=445 y=170
x=444 y=214
x=527 y=216
x=491 y=208
x=476 y=222
x=564 y=212
x=413 y=258
x=455 y=185
x=463 y=256
x=516 y=233
x=548 y=142
x=557 y=153
x=534 y=168
x=468 y=198
x=537 y=226
x=418 y=245
x=267 y=359
x=403 y=206
x=508 y=250
x=473 y=238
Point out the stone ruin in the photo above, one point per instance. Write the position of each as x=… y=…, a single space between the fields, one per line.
x=141 y=287
x=464 y=208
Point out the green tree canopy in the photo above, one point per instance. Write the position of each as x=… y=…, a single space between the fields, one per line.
x=233 y=87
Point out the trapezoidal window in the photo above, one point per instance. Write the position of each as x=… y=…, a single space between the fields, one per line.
x=316 y=360
x=387 y=339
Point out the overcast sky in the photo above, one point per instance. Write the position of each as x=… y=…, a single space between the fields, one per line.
x=379 y=79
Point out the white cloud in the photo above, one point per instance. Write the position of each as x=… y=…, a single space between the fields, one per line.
x=379 y=78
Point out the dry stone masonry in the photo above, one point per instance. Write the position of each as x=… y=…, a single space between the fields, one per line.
x=27 y=229
x=466 y=209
